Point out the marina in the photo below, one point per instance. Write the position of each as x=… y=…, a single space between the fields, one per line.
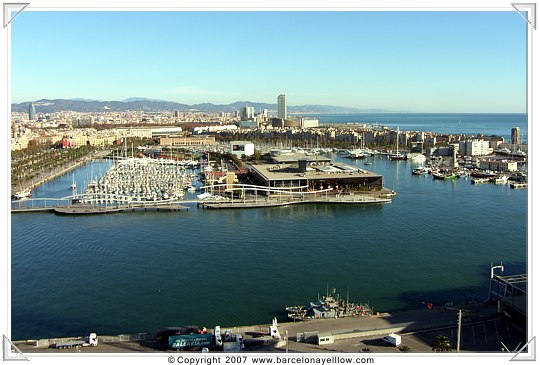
x=341 y=233
x=298 y=238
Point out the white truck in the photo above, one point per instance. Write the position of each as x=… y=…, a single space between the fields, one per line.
x=392 y=339
x=91 y=340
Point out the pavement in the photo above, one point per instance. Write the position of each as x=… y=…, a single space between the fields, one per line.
x=482 y=331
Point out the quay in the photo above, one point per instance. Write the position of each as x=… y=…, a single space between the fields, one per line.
x=275 y=202
x=81 y=209
x=483 y=330
x=88 y=209
x=43 y=178
x=257 y=196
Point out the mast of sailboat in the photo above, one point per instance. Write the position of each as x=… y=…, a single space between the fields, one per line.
x=397 y=141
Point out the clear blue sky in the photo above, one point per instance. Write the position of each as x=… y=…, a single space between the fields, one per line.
x=413 y=61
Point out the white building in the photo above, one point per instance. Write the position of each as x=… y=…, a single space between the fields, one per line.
x=309 y=123
x=498 y=165
x=215 y=128
x=240 y=148
x=475 y=147
x=282 y=106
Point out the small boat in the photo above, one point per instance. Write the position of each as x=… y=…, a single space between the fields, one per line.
x=444 y=176
x=73 y=185
x=397 y=155
x=330 y=306
x=416 y=157
x=22 y=195
x=422 y=170
x=483 y=174
x=518 y=185
x=500 y=179
x=480 y=180
x=368 y=163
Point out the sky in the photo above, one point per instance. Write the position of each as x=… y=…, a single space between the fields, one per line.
x=415 y=61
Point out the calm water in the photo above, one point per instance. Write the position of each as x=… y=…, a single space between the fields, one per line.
x=488 y=124
x=137 y=272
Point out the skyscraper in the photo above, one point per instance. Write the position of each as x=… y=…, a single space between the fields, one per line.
x=247 y=113
x=516 y=135
x=282 y=106
x=31 y=112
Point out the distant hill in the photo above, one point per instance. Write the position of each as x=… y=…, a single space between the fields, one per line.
x=152 y=105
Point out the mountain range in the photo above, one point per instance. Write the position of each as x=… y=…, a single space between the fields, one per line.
x=152 y=105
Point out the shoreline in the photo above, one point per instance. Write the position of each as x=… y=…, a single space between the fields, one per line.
x=347 y=333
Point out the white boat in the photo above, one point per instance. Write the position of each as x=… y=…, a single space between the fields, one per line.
x=501 y=179
x=422 y=170
x=416 y=157
x=22 y=195
x=480 y=180
x=397 y=155
x=73 y=185
x=204 y=196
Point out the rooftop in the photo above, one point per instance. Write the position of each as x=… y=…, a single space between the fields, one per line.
x=314 y=172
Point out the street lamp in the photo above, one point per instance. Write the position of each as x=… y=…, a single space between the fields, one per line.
x=492 y=275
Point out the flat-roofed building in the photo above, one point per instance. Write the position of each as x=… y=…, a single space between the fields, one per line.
x=338 y=176
x=498 y=165
x=309 y=123
x=475 y=147
x=133 y=133
x=188 y=141
x=240 y=148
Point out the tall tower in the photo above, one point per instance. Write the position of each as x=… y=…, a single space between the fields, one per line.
x=31 y=112
x=282 y=106
x=516 y=135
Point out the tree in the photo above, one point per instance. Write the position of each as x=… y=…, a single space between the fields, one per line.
x=404 y=348
x=441 y=344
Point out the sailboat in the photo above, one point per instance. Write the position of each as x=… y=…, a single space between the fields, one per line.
x=397 y=155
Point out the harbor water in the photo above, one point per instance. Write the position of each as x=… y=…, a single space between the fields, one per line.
x=140 y=271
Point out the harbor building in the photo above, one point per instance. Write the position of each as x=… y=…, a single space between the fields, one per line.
x=240 y=148
x=187 y=141
x=316 y=176
x=282 y=106
x=516 y=136
x=498 y=165
x=147 y=132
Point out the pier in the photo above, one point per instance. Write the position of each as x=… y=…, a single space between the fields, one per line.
x=64 y=206
x=254 y=196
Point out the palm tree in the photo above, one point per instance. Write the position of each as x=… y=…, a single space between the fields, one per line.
x=441 y=344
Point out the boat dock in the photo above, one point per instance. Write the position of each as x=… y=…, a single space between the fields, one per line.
x=276 y=202
x=81 y=209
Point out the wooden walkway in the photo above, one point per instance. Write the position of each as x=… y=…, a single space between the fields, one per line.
x=78 y=209
x=275 y=202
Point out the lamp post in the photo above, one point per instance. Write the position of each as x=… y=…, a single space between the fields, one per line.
x=492 y=275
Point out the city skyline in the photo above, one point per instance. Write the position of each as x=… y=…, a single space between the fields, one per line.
x=403 y=61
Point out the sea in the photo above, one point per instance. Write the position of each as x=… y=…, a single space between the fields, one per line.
x=138 y=272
